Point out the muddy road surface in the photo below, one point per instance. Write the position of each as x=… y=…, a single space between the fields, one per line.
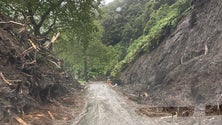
x=106 y=107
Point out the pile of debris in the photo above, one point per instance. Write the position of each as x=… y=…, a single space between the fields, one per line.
x=30 y=74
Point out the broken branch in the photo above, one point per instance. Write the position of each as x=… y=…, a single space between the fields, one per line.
x=34 y=46
x=4 y=79
x=17 y=23
x=54 y=38
x=7 y=81
x=57 y=65
x=51 y=116
x=23 y=53
x=20 y=121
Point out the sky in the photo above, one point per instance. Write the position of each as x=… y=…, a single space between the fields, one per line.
x=108 y=1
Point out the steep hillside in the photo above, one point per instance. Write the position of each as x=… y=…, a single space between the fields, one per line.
x=133 y=27
x=185 y=69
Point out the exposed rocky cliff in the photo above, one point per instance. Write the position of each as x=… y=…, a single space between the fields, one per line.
x=186 y=68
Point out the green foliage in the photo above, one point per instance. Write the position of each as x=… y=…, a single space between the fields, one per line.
x=72 y=50
x=162 y=21
x=130 y=27
x=119 y=22
x=46 y=16
x=75 y=19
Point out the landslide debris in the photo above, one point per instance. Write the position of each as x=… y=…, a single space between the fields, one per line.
x=185 y=70
x=30 y=75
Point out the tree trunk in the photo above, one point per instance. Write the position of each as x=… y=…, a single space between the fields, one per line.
x=85 y=65
x=85 y=69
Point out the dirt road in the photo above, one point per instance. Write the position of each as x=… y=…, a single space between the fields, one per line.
x=106 y=107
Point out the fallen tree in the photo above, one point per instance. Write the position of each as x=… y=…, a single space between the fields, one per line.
x=30 y=74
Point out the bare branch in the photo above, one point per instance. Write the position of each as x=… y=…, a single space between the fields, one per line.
x=17 y=23
x=54 y=38
x=4 y=79
x=7 y=81
x=44 y=16
x=56 y=64
x=20 y=121
x=33 y=45
x=31 y=17
x=51 y=116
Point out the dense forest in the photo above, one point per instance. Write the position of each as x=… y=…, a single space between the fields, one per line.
x=125 y=29
x=98 y=40
x=139 y=26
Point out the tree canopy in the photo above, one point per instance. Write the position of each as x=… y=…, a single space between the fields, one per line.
x=45 y=16
x=75 y=19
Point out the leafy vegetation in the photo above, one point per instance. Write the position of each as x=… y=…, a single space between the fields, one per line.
x=74 y=19
x=91 y=46
x=99 y=57
x=156 y=19
x=45 y=16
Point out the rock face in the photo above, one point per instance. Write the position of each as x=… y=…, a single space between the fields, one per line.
x=186 y=68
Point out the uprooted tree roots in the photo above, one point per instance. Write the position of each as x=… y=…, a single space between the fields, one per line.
x=29 y=73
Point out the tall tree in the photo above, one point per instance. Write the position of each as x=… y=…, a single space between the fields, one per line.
x=85 y=55
x=44 y=16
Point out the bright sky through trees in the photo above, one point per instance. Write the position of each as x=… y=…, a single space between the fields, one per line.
x=108 y=1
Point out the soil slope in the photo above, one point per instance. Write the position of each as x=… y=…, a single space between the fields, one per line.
x=186 y=68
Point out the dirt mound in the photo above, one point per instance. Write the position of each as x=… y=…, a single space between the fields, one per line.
x=29 y=73
x=186 y=68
